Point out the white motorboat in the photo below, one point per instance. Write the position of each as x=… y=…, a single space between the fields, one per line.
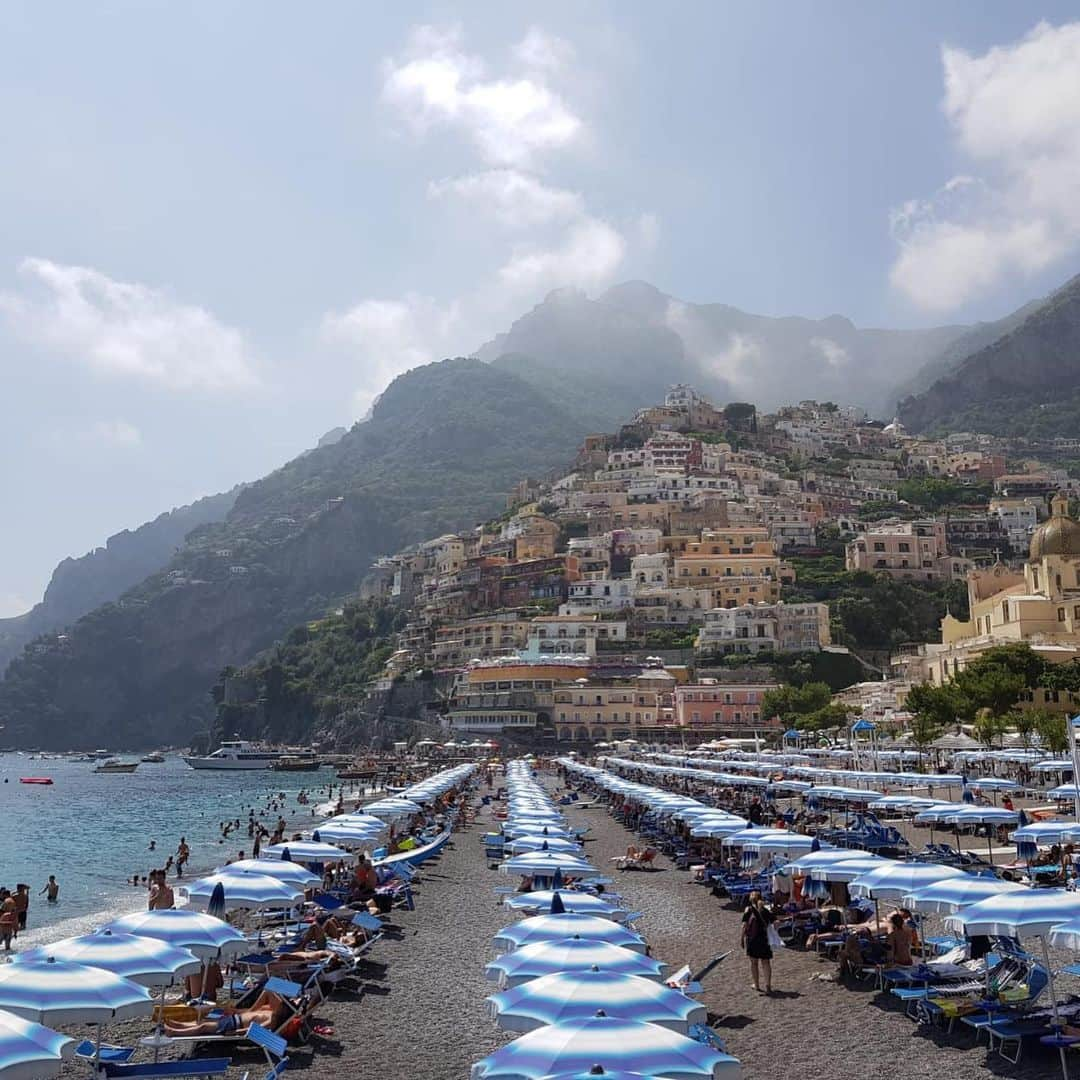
x=237 y=754
x=115 y=765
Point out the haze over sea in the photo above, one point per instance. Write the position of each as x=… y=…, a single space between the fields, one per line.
x=93 y=830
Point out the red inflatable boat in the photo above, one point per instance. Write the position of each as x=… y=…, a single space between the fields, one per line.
x=35 y=779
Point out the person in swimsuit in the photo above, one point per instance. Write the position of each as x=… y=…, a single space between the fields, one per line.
x=269 y=1010
x=9 y=919
x=22 y=904
x=51 y=890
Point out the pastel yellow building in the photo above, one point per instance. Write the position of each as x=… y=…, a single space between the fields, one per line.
x=1038 y=604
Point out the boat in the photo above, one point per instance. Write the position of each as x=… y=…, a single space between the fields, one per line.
x=115 y=765
x=35 y=780
x=153 y=759
x=296 y=764
x=357 y=774
x=417 y=855
x=237 y=754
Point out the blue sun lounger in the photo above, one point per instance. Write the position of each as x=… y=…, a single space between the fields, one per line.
x=164 y=1070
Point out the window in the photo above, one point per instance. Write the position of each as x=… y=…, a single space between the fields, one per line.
x=1061 y=614
x=878 y=545
x=904 y=546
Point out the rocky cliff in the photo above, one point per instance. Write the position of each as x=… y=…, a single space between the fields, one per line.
x=1025 y=383
x=79 y=585
x=440 y=449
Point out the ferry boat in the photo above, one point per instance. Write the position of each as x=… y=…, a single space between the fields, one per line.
x=237 y=754
x=115 y=765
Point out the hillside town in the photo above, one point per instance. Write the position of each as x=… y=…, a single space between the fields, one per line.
x=653 y=592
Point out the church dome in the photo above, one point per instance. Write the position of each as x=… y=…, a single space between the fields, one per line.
x=1060 y=535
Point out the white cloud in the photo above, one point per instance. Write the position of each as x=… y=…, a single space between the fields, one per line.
x=648 y=232
x=588 y=255
x=125 y=329
x=391 y=336
x=734 y=358
x=834 y=354
x=116 y=433
x=510 y=120
x=516 y=199
x=541 y=51
x=1015 y=114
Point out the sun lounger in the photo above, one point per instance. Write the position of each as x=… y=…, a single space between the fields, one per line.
x=152 y=1070
x=88 y=1050
x=1011 y=1031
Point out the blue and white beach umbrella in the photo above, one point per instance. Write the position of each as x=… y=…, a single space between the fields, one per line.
x=849 y=869
x=1030 y=913
x=578 y=995
x=629 y=1045
x=586 y=903
x=896 y=879
x=533 y=842
x=567 y=925
x=29 y=1051
x=359 y=821
x=545 y=863
x=183 y=928
x=243 y=891
x=346 y=835
x=143 y=960
x=570 y=954
x=53 y=992
x=951 y=894
x=308 y=851
x=824 y=857
x=290 y=872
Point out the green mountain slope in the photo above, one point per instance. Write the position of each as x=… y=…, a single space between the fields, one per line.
x=442 y=446
x=1026 y=383
x=80 y=585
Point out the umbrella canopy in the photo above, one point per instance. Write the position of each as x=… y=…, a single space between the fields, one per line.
x=183 y=928
x=546 y=863
x=570 y=954
x=578 y=995
x=583 y=902
x=144 y=960
x=1066 y=935
x=893 y=880
x=29 y=1051
x=55 y=992
x=532 y=842
x=567 y=925
x=952 y=894
x=358 y=821
x=849 y=869
x=307 y=851
x=352 y=835
x=290 y=872
x=579 y=1045
x=243 y=891
x=1030 y=912
x=805 y=863
x=393 y=808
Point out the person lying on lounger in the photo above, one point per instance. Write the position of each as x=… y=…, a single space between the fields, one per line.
x=270 y=1010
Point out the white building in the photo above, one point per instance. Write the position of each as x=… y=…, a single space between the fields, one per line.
x=571 y=635
x=754 y=628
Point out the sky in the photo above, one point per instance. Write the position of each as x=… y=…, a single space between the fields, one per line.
x=225 y=227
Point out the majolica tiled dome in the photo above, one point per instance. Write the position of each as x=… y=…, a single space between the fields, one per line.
x=1059 y=536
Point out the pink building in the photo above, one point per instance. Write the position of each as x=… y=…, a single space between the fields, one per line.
x=723 y=707
x=912 y=550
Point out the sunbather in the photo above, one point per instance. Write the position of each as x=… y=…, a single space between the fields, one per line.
x=270 y=1010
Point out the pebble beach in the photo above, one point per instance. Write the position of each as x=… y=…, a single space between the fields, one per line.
x=419 y=1010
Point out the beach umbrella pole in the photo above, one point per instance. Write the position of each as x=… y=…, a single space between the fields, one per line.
x=1054 y=1005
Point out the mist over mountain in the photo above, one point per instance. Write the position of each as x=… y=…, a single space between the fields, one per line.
x=653 y=340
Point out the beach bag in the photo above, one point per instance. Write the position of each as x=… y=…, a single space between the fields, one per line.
x=774 y=938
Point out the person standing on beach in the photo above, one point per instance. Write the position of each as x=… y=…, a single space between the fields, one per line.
x=51 y=891
x=22 y=904
x=183 y=853
x=9 y=920
x=756 y=921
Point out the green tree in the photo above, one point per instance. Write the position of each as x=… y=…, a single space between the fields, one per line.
x=925 y=728
x=823 y=719
x=939 y=705
x=990 y=728
x=1052 y=731
x=1023 y=721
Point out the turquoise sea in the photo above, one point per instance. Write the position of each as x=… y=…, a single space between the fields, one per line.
x=93 y=830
